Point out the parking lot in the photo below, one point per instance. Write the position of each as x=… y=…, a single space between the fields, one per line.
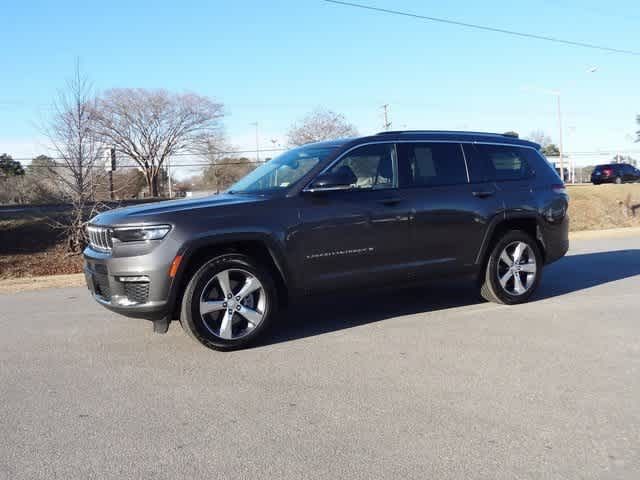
x=420 y=383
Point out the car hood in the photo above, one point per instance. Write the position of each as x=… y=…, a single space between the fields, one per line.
x=163 y=211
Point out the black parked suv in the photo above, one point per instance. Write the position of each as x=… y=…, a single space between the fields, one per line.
x=615 y=173
x=354 y=213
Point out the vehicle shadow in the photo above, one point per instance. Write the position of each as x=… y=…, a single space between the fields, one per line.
x=328 y=313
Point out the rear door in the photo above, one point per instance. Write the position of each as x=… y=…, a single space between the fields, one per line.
x=449 y=213
x=513 y=175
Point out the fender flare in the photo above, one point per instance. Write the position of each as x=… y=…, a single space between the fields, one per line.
x=500 y=219
x=187 y=251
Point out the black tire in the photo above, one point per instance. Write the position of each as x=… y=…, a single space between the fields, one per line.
x=193 y=323
x=618 y=180
x=491 y=289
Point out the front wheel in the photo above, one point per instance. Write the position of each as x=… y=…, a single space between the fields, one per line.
x=229 y=302
x=513 y=269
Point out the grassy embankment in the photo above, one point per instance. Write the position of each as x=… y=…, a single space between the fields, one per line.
x=32 y=247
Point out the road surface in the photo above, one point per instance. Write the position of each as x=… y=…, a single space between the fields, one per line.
x=420 y=383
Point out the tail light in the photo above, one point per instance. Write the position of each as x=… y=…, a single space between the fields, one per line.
x=559 y=188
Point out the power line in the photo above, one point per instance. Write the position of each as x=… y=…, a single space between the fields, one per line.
x=484 y=27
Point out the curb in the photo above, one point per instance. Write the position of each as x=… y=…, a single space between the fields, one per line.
x=607 y=233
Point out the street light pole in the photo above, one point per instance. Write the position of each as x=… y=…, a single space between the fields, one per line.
x=257 y=143
x=560 y=137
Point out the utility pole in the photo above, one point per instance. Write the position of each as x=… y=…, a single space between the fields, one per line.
x=112 y=167
x=257 y=142
x=169 y=177
x=560 y=137
x=387 y=123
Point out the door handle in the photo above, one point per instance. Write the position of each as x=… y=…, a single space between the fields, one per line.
x=483 y=193
x=390 y=201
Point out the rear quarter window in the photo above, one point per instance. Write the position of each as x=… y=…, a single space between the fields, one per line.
x=507 y=162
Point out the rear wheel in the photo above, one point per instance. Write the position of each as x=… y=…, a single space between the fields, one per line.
x=618 y=180
x=513 y=269
x=229 y=302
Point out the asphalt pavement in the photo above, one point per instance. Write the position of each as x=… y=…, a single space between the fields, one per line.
x=420 y=383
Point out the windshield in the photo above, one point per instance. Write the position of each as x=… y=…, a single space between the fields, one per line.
x=284 y=170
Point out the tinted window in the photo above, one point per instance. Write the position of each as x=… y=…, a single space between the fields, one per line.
x=507 y=163
x=431 y=164
x=538 y=164
x=372 y=165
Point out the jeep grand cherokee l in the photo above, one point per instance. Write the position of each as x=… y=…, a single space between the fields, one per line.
x=353 y=213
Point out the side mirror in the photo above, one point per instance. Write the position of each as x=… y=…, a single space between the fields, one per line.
x=341 y=179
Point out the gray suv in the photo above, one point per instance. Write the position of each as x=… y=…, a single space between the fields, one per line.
x=373 y=211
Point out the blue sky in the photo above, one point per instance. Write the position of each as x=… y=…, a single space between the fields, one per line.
x=272 y=62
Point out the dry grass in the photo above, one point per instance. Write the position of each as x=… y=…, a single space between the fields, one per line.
x=31 y=247
x=604 y=206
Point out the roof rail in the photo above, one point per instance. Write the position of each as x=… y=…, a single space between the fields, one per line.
x=455 y=132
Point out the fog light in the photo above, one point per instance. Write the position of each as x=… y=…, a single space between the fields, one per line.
x=122 y=301
x=138 y=279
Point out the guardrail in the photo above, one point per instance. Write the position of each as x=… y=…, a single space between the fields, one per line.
x=29 y=210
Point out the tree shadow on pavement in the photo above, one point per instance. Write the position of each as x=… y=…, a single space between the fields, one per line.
x=328 y=313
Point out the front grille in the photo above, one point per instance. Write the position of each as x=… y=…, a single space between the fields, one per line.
x=100 y=238
x=137 y=292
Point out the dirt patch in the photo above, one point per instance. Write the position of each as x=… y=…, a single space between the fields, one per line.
x=34 y=247
x=15 y=285
x=604 y=206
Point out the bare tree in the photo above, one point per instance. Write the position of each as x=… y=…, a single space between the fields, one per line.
x=320 y=124
x=225 y=171
x=71 y=132
x=539 y=137
x=149 y=126
x=225 y=168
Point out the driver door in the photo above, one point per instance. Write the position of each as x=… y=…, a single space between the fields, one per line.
x=358 y=235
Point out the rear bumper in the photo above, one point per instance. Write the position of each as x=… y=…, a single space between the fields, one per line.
x=556 y=240
x=602 y=179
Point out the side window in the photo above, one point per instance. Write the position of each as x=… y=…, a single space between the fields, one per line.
x=431 y=164
x=372 y=165
x=507 y=163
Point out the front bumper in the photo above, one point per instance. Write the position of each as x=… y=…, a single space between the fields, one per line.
x=139 y=299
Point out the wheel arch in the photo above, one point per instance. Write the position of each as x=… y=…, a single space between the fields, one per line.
x=528 y=223
x=258 y=246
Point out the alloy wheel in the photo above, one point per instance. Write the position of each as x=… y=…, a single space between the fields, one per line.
x=232 y=304
x=517 y=268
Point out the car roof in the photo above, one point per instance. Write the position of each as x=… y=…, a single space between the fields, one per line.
x=439 y=135
x=445 y=135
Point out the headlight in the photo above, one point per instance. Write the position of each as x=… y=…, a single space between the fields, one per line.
x=140 y=234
